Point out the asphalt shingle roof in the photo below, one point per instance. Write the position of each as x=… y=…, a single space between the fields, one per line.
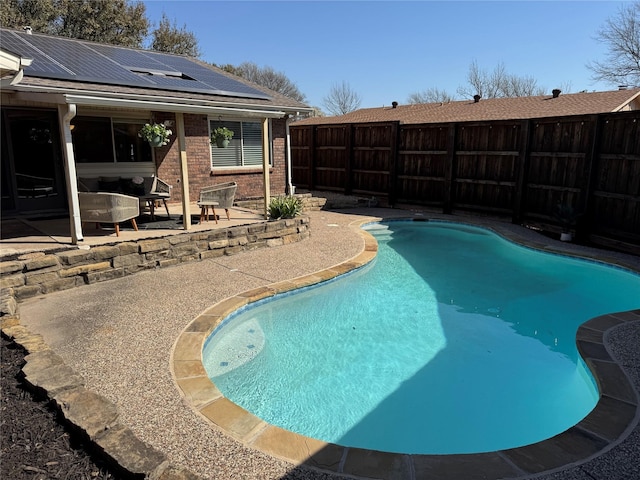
x=491 y=109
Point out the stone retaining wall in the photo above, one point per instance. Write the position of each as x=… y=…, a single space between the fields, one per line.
x=39 y=273
x=313 y=201
x=309 y=203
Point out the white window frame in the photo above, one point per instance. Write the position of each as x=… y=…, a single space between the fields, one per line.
x=237 y=145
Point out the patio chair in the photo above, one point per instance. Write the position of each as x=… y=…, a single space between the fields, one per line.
x=103 y=207
x=155 y=190
x=221 y=195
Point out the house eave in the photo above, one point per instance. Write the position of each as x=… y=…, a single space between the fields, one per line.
x=12 y=68
x=157 y=102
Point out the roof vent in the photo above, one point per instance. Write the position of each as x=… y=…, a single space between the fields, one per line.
x=394 y=104
x=622 y=87
x=556 y=92
x=476 y=98
x=28 y=30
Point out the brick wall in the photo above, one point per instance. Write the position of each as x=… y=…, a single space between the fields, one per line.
x=250 y=181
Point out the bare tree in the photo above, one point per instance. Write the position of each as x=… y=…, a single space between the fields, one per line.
x=621 y=35
x=341 y=99
x=498 y=83
x=430 y=95
x=480 y=82
x=267 y=77
x=169 y=38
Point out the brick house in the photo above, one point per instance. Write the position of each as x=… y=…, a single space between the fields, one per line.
x=73 y=108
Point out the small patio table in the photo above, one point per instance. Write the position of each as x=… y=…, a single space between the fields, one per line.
x=204 y=209
x=151 y=200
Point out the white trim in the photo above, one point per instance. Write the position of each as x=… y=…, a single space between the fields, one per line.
x=65 y=115
x=116 y=169
x=265 y=166
x=241 y=138
x=64 y=96
x=167 y=107
x=287 y=152
x=12 y=68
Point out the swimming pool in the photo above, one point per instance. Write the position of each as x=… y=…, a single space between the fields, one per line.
x=460 y=362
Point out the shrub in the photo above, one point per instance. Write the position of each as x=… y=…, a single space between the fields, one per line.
x=284 y=207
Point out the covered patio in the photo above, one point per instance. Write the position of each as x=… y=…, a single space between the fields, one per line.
x=23 y=235
x=64 y=121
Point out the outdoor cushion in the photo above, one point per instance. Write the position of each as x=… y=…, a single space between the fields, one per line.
x=88 y=184
x=128 y=186
x=109 y=184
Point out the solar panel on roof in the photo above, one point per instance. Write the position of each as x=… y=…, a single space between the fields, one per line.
x=77 y=60
x=46 y=65
x=125 y=56
x=205 y=75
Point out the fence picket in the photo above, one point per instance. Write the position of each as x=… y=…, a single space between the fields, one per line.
x=519 y=168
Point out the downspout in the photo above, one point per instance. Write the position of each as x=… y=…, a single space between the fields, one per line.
x=65 y=115
x=290 y=187
x=265 y=167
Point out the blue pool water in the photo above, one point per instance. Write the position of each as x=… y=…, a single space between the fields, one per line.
x=453 y=340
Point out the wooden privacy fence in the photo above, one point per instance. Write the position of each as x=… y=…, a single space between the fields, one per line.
x=518 y=168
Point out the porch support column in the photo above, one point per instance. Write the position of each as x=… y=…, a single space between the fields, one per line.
x=265 y=166
x=287 y=127
x=184 y=172
x=65 y=114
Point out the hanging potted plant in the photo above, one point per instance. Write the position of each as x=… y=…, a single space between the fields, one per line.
x=157 y=134
x=221 y=137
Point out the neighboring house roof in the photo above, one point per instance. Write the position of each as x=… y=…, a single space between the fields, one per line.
x=492 y=109
x=70 y=66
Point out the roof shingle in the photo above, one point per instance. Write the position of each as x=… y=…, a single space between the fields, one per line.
x=492 y=109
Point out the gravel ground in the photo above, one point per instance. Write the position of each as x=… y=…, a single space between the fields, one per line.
x=119 y=334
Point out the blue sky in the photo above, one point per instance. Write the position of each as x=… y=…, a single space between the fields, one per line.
x=387 y=50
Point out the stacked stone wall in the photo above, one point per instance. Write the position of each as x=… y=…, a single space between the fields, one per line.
x=41 y=273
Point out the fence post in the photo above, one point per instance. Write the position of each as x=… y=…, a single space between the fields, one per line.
x=450 y=168
x=585 y=227
x=312 y=157
x=522 y=172
x=394 y=147
x=348 y=158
